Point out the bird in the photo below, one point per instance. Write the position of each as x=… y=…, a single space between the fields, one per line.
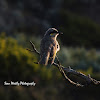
x=49 y=46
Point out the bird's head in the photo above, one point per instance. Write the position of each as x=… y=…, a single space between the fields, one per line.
x=52 y=32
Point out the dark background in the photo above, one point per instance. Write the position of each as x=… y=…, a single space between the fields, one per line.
x=24 y=20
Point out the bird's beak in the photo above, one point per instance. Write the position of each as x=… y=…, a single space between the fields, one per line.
x=60 y=33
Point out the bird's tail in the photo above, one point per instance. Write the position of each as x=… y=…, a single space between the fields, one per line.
x=44 y=59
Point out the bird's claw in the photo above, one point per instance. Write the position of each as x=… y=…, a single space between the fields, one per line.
x=36 y=62
x=60 y=68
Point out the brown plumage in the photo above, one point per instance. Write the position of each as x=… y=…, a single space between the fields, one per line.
x=49 y=47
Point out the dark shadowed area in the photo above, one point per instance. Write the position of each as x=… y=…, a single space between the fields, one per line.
x=25 y=20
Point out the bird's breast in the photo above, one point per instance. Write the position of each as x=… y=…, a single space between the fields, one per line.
x=56 y=45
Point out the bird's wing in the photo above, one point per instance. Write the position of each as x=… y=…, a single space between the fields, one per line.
x=45 y=57
x=45 y=50
x=52 y=55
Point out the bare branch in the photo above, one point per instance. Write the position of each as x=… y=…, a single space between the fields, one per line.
x=34 y=49
x=63 y=70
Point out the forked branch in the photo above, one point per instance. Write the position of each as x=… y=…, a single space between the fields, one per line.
x=64 y=71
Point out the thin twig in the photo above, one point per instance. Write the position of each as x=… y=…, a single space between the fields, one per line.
x=33 y=46
x=66 y=77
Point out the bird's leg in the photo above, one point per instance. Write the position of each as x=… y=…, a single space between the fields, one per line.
x=59 y=63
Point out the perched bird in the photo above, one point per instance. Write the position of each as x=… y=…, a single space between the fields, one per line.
x=49 y=46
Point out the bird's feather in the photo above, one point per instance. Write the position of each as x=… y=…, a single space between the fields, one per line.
x=49 y=47
x=52 y=55
x=45 y=53
x=44 y=59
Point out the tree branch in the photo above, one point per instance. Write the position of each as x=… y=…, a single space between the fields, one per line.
x=63 y=70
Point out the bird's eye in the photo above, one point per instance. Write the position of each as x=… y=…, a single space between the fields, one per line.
x=51 y=33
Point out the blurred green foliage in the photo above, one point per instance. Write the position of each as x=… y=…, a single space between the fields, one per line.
x=17 y=64
x=35 y=17
x=80 y=58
